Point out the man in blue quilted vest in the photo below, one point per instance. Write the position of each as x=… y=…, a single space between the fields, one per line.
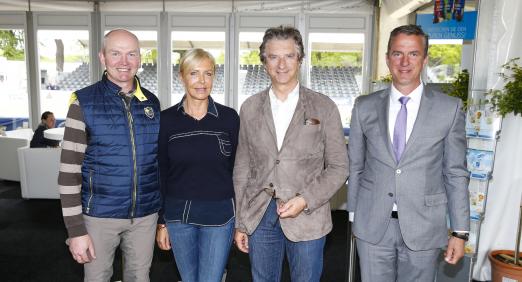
x=108 y=176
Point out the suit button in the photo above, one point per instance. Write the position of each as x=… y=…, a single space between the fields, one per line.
x=271 y=185
x=398 y=171
x=277 y=161
x=390 y=194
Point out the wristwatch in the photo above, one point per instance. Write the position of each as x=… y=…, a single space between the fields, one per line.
x=461 y=235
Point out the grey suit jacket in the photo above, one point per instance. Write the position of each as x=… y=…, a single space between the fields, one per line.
x=312 y=163
x=429 y=182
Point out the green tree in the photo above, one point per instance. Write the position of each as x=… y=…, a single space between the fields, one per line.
x=444 y=54
x=250 y=58
x=336 y=59
x=12 y=44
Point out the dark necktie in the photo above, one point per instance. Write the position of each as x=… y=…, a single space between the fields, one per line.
x=399 y=132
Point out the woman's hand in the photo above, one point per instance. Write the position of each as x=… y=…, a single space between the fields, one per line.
x=162 y=237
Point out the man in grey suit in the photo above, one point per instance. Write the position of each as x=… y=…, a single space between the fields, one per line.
x=407 y=152
x=291 y=159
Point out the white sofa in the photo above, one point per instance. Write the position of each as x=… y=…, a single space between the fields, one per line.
x=39 y=172
x=26 y=133
x=9 y=158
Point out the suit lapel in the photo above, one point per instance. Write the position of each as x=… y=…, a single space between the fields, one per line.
x=383 y=109
x=268 y=117
x=297 y=118
x=422 y=116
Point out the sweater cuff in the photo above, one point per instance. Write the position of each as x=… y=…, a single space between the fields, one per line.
x=76 y=231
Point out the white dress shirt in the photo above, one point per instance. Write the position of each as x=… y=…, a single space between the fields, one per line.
x=412 y=106
x=282 y=112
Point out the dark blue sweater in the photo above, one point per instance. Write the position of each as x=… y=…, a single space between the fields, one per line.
x=196 y=159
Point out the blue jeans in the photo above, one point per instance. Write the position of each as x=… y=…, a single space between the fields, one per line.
x=267 y=246
x=201 y=252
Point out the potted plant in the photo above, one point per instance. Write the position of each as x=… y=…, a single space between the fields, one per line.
x=509 y=99
x=504 y=263
x=508 y=263
x=459 y=88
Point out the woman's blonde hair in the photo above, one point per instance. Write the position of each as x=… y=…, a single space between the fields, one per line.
x=193 y=57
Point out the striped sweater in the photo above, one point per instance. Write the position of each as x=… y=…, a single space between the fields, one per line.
x=70 y=175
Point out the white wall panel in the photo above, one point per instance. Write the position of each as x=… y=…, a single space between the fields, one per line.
x=321 y=22
x=61 y=21
x=211 y=22
x=12 y=19
x=130 y=21
x=263 y=22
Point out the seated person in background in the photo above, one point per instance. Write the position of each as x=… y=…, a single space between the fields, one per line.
x=39 y=141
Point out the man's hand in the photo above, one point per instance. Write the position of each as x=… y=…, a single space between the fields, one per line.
x=455 y=250
x=162 y=238
x=82 y=249
x=241 y=240
x=292 y=208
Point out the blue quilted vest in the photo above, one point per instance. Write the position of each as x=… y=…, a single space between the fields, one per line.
x=120 y=176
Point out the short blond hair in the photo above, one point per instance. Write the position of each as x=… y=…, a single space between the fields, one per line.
x=193 y=57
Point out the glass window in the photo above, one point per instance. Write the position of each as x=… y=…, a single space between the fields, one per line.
x=214 y=43
x=252 y=77
x=14 y=108
x=148 y=73
x=64 y=68
x=336 y=61
x=444 y=61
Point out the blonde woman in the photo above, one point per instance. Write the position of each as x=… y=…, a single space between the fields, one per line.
x=197 y=145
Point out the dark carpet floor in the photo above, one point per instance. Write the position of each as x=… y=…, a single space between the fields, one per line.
x=32 y=247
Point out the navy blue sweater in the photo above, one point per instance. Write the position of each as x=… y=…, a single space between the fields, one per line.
x=196 y=159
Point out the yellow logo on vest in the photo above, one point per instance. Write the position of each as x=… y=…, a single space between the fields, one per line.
x=149 y=112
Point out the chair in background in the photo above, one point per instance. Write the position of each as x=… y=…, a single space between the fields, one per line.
x=39 y=172
x=9 y=158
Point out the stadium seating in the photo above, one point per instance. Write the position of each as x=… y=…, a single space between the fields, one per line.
x=332 y=81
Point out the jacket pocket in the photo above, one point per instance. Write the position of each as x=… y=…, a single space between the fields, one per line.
x=435 y=199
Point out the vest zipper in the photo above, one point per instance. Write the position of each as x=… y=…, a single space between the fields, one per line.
x=133 y=145
x=91 y=193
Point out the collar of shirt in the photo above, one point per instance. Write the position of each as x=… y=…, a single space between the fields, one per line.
x=282 y=112
x=412 y=106
x=211 y=109
x=415 y=95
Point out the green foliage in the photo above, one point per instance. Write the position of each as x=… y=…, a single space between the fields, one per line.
x=251 y=58
x=336 y=59
x=12 y=44
x=322 y=59
x=459 y=88
x=509 y=99
x=444 y=54
x=149 y=55
x=385 y=79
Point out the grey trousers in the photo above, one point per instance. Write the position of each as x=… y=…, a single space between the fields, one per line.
x=391 y=260
x=136 y=240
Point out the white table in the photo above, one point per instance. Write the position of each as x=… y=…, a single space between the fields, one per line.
x=54 y=133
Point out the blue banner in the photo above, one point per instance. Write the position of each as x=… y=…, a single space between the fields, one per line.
x=449 y=29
